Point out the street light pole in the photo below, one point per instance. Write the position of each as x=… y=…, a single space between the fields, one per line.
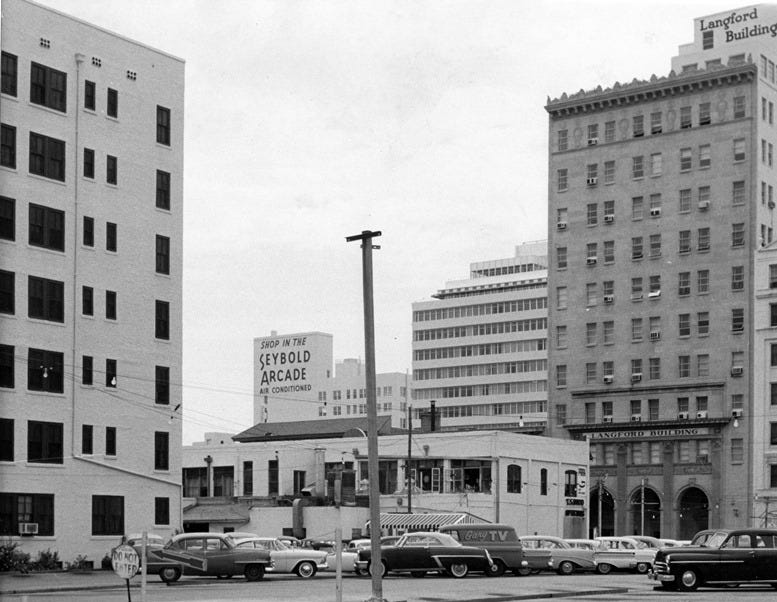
x=372 y=412
x=642 y=507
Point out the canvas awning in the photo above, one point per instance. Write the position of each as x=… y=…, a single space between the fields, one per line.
x=404 y=521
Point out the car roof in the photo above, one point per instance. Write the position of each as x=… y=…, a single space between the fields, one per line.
x=195 y=535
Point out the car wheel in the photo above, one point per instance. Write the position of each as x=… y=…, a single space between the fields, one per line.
x=305 y=569
x=497 y=569
x=565 y=568
x=524 y=571
x=383 y=568
x=689 y=580
x=170 y=574
x=458 y=570
x=603 y=568
x=254 y=572
x=418 y=574
x=642 y=567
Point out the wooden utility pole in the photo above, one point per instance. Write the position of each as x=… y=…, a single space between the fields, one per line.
x=372 y=412
x=409 y=462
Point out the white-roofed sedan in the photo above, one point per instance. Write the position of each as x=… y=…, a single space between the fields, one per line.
x=304 y=562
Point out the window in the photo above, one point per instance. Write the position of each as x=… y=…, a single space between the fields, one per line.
x=636 y=329
x=654 y=368
x=8 y=146
x=738 y=235
x=272 y=477
x=45 y=371
x=162 y=189
x=561 y=180
x=656 y=164
x=161 y=510
x=90 y=93
x=543 y=481
x=45 y=299
x=608 y=368
x=592 y=170
x=708 y=39
x=636 y=287
x=9 y=74
x=703 y=239
x=7 y=292
x=773 y=433
x=591 y=252
x=655 y=123
x=685 y=117
x=655 y=245
x=655 y=284
x=112 y=108
x=737 y=278
x=561 y=337
x=48 y=87
x=686 y=159
x=162 y=329
x=590 y=292
x=89 y=163
x=570 y=483
x=110 y=373
x=562 y=143
x=653 y=409
x=44 y=442
x=739 y=149
x=590 y=333
x=162 y=380
x=248 y=477
x=161 y=450
x=684 y=240
x=87 y=300
x=6 y=441
x=110 y=440
x=561 y=297
x=655 y=204
x=110 y=237
x=609 y=131
x=7 y=218
x=684 y=366
x=163 y=125
x=561 y=376
x=111 y=169
x=773 y=476
x=685 y=201
x=705 y=158
x=110 y=305
x=514 y=481
x=608 y=332
x=773 y=276
x=738 y=193
x=636 y=208
x=592 y=213
x=47 y=157
x=88 y=236
x=704 y=114
x=18 y=508
x=638 y=167
x=703 y=322
x=590 y=373
x=636 y=406
x=609 y=251
x=703 y=281
x=87 y=432
x=609 y=172
x=636 y=247
x=638 y=126
x=684 y=324
x=87 y=369
x=107 y=515
x=561 y=258
x=737 y=451
x=47 y=227
x=737 y=319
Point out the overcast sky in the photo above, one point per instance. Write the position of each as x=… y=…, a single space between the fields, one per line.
x=310 y=121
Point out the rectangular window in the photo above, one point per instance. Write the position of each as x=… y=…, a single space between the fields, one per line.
x=162 y=189
x=703 y=281
x=590 y=373
x=89 y=163
x=738 y=193
x=561 y=258
x=110 y=373
x=686 y=159
x=608 y=332
x=739 y=149
x=703 y=239
x=110 y=305
x=48 y=87
x=9 y=75
x=638 y=126
x=655 y=122
x=561 y=376
x=685 y=118
x=47 y=227
x=8 y=146
x=684 y=366
x=161 y=510
x=163 y=125
x=6 y=441
x=653 y=409
x=44 y=442
x=656 y=164
x=561 y=413
x=737 y=278
x=684 y=240
x=737 y=319
x=161 y=450
x=704 y=114
x=637 y=208
x=248 y=477
x=708 y=39
x=685 y=201
x=272 y=477
x=590 y=333
x=592 y=213
x=773 y=275
x=87 y=437
x=87 y=369
x=561 y=337
x=162 y=329
x=111 y=169
x=609 y=131
x=162 y=380
x=590 y=292
x=738 y=235
x=609 y=172
x=684 y=323
x=87 y=300
x=45 y=299
x=703 y=322
x=561 y=180
x=7 y=292
x=705 y=156
x=638 y=167
x=636 y=329
x=590 y=413
x=655 y=245
x=47 y=157
x=592 y=171
x=609 y=251
x=112 y=108
x=107 y=515
x=737 y=451
x=110 y=440
x=18 y=508
x=7 y=218
x=636 y=247
x=111 y=237
x=562 y=144
x=162 y=254
x=636 y=288
x=45 y=371
x=561 y=297
x=88 y=238
x=90 y=94
x=654 y=366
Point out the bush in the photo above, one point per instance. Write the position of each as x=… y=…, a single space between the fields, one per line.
x=12 y=558
x=80 y=563
x=106 y=563
x=47 y=561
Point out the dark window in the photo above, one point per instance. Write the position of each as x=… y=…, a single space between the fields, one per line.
x=162 y=189
x=110 y=373
x=111 y=236
x=88 y=231
x=514 y=483
x=162 y=385
x=773 y=394
x=195 y=482
x=8 y=146
x=113 y=103
x=773 y=433
x=707 y=39
x=163 y=125
x=107 y=515
x=223 y=481
x=87 y=370
x=162 y=320
x=110 y=305
x=161 y=451
x=773 y=317
x=7 y=218
x=48 y=87
x=87 y=431
x=162 y=254
x=161 y=510
x=570 y=483
x=87 y=300
x=111 y=170
x=773 y=354
x=44 y=442
x=47 y=227
x=6 y=440
x=248 y=478
x=272 y=477
x=110 y=440
x=89 y=163
x=47 y=157
x=18 y=508
x=773 y=476
x=543 y=481
x=44 y=371
x=7 y=292
x=90 y=91
x=7 y=366
x=45 y=299
x=9 y=74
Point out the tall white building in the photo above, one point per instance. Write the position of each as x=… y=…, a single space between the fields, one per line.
x=91 y=207
x=480 y=346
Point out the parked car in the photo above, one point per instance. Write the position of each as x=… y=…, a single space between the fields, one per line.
x=153 y=542
x=503 y=545
x=585 y=544
x=650 y=542
x=726 y=558
x=349 y=556
x=625 y=553
x=305 y=563
x=702 y=536
x=207 y=554
x=565 y=559
x=389 y=540
x=424 y=552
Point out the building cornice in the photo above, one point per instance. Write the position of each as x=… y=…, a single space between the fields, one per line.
x=591 y=427
x=611 y=390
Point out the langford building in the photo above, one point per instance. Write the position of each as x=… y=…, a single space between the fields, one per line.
x=90 y=270
x=661 y=194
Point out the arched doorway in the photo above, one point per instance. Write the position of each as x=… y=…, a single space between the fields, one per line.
x=647 y=514
x=607 y=525
x=693 y=512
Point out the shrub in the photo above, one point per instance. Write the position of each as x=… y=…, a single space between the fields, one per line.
x=47 y=561
x=12 y=558
x=106 y=563
x=80 y=563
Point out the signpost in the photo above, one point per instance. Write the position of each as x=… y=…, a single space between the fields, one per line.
x=125 y=563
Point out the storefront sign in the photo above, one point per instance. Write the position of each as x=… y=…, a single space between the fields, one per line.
x=658 y=433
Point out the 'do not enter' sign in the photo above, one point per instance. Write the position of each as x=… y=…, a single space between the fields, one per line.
x=125 y=561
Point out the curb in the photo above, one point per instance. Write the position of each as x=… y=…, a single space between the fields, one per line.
x=541 y=595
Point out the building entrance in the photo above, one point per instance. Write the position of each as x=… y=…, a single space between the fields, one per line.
x=607 y=524
x=693 y=513
x=646 y=518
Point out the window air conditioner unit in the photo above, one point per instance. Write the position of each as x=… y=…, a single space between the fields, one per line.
x=591 y=181
x=636 y=417
x=609 y=218
x=591 y=260
x=704 y=205
x=655 y=335
x=636 y=255
x=593 y=141
x=561 y=225
x=655 y=212
x=654 y=294
x=28 y=528
x=683 y=416
x=701 y=414
x=606 y=418
x=737 y=413
x=737 y=371
x=609 y=298
x=636 y=377
x=608 y=379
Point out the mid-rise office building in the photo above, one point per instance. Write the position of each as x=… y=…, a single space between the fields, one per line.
x=90 y=284
x=661 y=194
x=479 y=347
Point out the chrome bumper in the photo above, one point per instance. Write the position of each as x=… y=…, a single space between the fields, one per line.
x=660 y=577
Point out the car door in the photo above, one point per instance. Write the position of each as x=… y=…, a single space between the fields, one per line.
x=737 y=560
x=765 y=553
x=194 y=548
x=220 y=557
x=415 y=554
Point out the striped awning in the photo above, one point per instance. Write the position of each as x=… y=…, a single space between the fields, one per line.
x=422 y=521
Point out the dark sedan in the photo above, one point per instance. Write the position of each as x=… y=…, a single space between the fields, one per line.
x=726 y=558
x=422 y=553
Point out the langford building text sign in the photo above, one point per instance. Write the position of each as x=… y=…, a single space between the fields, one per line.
x=658 y=433
x=739 y=25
